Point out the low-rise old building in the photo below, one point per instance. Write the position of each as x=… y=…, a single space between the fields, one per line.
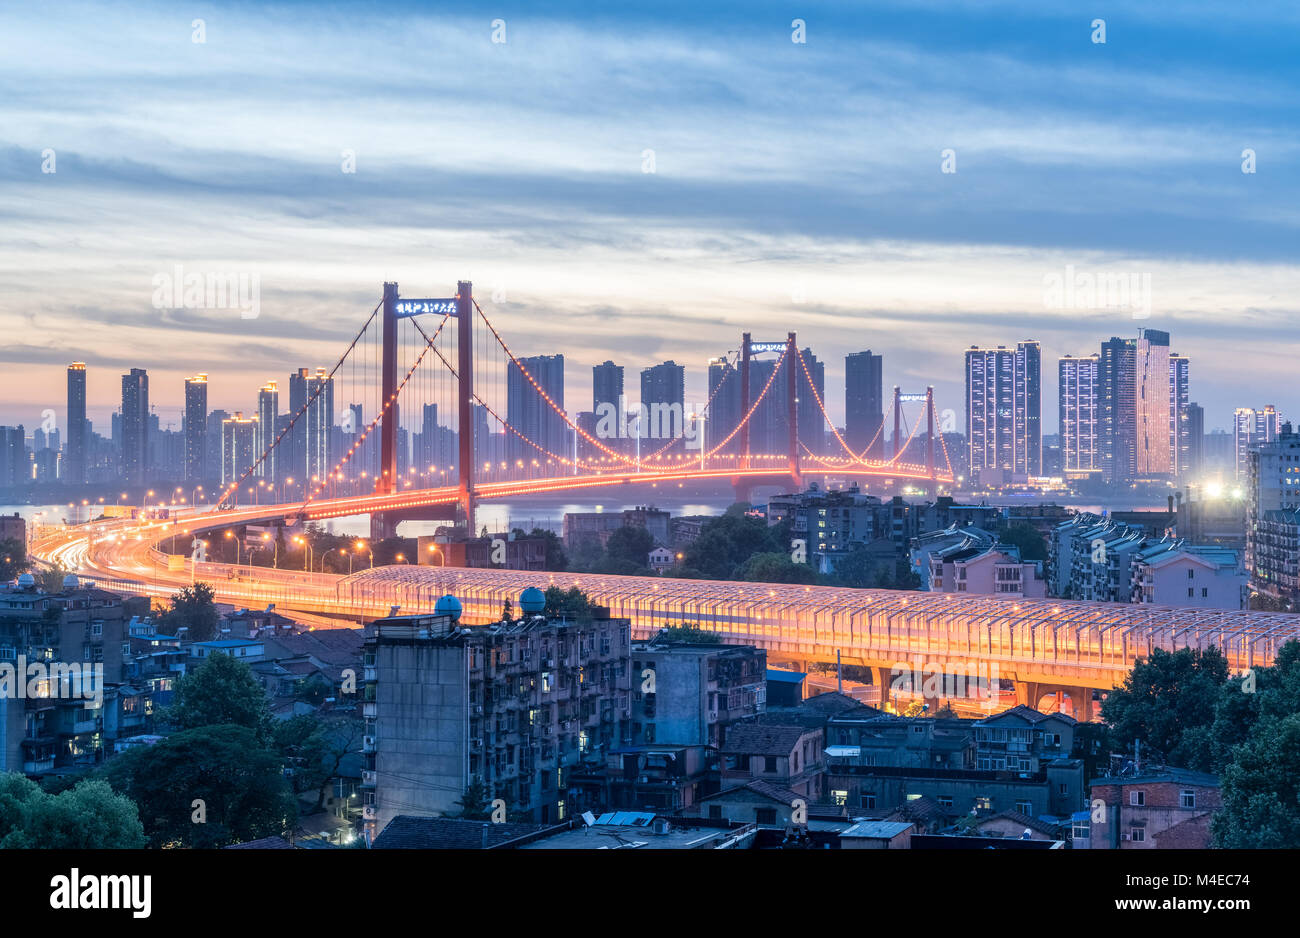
x=517 y=704
x=1158 y=808
x=1022 y=739
x=686 y=692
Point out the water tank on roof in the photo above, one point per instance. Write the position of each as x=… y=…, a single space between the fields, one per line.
x=448 y=605
x=532 y=601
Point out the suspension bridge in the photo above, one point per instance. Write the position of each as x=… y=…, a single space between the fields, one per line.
x=513 y=437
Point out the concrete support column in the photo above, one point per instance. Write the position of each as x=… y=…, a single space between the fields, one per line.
x=1027 y=693
x=1081 y=698
x=881 y=679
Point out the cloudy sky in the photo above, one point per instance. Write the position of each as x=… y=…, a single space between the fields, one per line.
x=795 y=186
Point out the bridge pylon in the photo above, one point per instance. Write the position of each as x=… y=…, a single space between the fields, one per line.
x=465 y=400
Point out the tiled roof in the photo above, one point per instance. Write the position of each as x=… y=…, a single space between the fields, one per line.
x=408 y=832
x=265 y=843
x=762 y=739
x=1024 y=820
x=764 y=789
x=1030 y=715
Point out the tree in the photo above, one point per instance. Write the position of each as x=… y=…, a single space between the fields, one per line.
x=1164 y=697
x=555 y=556
x=688 y=633
x=726 y=542
x=628 y=551
x=220 y=691
x=313 y=690
x=1261 y=789
x=194 y=609
x=313 y=750
x=50 y=579
x=1025 y=536
x=572 y=603
x=90 y=816
x=206 y=787
x=13 y=558
x=474 y=804
x=772 y=567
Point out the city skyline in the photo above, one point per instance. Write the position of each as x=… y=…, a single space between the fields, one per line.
x=640 y=267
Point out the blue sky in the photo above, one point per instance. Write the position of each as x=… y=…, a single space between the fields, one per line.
x=796 y=186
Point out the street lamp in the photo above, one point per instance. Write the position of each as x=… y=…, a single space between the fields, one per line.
x=433 y=549
x=344 y=550
x=230 y=535
x=360 y=546
x=311 y=562
x=275 y=561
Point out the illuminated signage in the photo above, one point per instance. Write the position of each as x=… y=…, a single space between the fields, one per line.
x=405 y=308
x=756 y=347
x=911 y=398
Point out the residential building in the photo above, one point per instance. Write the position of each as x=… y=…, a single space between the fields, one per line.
x=1251 y=428
x=195 y=424
x=689 y=693
x=864 y=404
x=75 y=455
x=1157 y=808
x=135 y=426
x=1004 y=412
x=1272 y=499
x=517 y=704
x=1023 y=739
x=1079 y=406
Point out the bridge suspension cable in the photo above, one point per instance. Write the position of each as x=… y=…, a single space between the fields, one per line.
x=384 y=409
x=762 y=394
x=320 y=387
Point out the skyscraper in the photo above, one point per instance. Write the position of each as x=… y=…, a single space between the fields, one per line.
x=1117 y=402
x=1194 y=419
x=1250 y=429
x=864 y=404
x=1155 y=456
x=74 y=458
x=606 y=385
x=268 y=409
x=1078 y=399
x=1004 y=409
x=238 y=434
x=1180 y=444
x=531 y=415
x=195 y=425
x=724 y=409
x=663 y=395
x=135 y=426
x=319 y=424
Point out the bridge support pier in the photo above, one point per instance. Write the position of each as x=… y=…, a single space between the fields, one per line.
x=881 y=679
x=1028 y=693
x=382 y=526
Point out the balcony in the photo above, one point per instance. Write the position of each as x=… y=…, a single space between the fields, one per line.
x=369 y=710
x=371 y=673
x=368 y=778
